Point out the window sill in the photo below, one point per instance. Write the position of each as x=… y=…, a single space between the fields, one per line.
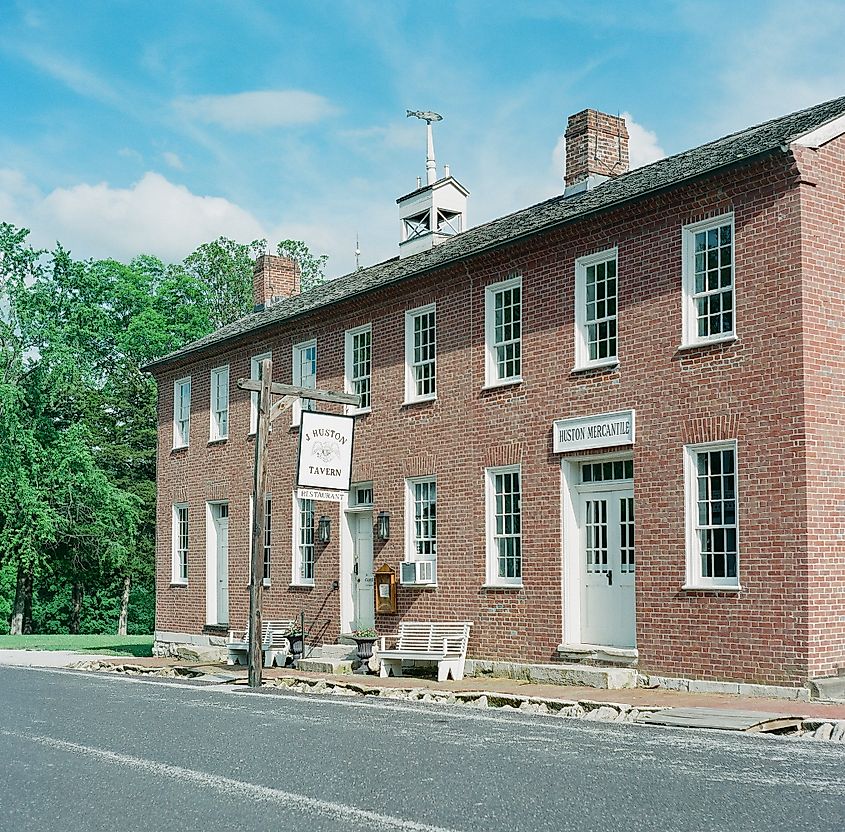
x=694 y=345
x=178 y=583
x=418 y=586
x=301 y=586
x=179 y=448
x=265 y=583
x=505 y=382
x=422 y=400
x=711 y=588
x=359 y=411
x=219 y=441
x=610 y=364
x=503 y=586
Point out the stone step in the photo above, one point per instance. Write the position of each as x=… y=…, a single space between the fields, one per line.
x=325 y=664
x=332 y=651
x=605 y=678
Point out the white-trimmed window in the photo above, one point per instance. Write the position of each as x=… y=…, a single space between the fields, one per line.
x=712 y=516
x=304 y=375
x=181 y=412
x=219 y=403
x=708 y=281
x=180 y=543
x=255 y=373
x=421 y=519
x=420 y=354
x=303 y=542
x=596 y=296
x=503 y=331
x=504 y=526
x=268 y=536
x=358 y=364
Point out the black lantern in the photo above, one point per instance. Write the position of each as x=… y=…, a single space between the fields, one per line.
x=324 y=529
x=383 y=525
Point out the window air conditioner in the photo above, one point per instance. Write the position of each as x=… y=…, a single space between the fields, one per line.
x=418 y=572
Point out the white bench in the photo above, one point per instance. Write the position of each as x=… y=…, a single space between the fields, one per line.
x=434 y=641
x=274 y=643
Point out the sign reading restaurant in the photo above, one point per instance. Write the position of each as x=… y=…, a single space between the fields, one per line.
x=325 y=452
x=605 y=430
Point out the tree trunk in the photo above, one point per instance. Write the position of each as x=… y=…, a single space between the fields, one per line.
x=21 y=622
x=124 y=606
x=76 y=607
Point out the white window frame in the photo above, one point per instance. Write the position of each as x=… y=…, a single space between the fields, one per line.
x=218 y=415
x=254 y=374
x=181 y=439
x=349 y=366
x=492 y=554
x=694 y=578
x=268 y=501
x=297 y=381
x=411 y=553
x=410 y=380
x=178 y=575
x=582 y=345
x=690 y=336
x=296 y=560
x=491 y=365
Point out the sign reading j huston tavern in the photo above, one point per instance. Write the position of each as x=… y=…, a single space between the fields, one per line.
x=325 y=451
x=606 y=430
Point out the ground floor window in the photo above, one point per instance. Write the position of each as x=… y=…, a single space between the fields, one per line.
x=268 y=536
x=712 y=516
x=180 y=543
x=504 y=525
x=303 y=541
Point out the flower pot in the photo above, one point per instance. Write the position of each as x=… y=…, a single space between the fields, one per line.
x=295 y=643
x=365 y=646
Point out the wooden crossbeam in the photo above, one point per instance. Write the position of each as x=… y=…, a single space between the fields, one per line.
x=280 y=389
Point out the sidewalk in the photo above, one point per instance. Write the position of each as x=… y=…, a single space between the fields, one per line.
x=632 y=697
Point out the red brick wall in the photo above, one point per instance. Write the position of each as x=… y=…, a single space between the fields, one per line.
x=823 y=266
x=749 y=390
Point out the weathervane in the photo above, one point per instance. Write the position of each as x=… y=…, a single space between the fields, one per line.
x=430 y=165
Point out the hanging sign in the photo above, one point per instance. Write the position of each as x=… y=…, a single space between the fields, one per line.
x=325 y=451
x=605 y=430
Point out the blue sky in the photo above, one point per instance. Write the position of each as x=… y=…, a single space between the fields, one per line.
x=134 y=127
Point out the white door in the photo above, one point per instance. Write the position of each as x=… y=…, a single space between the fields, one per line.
x=362 y=570
x=222 y=528
x=607 y=557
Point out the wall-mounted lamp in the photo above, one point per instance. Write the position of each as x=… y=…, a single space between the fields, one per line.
x=383 y=525
x=324 y=530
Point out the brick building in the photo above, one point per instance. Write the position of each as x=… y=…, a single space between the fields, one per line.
x=609 y=427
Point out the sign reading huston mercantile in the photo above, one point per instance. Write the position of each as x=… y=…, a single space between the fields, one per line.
x=325 y=451
x=604 y=430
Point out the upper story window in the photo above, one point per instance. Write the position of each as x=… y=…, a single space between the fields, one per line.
x=219 y=404
x=712 y=516
x=504 y=526
x=255 y=371
x=708 y=281
x=359 y=365
x=420 y=354
x=503 y=331
x=596 y=293
x=304 y=375
x=181 y=412
x=180 y=544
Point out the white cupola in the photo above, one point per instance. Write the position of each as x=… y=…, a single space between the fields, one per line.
x=433 y=212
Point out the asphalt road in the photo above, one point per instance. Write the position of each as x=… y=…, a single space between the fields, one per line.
x=93 y=752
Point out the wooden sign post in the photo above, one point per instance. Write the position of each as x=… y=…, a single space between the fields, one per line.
x=268 y=413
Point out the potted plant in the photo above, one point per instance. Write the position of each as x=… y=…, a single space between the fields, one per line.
x=296 y=642
x=365 y=639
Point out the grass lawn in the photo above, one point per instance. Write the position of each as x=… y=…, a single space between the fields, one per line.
x=109 y=645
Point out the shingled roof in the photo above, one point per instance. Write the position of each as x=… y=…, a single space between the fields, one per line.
x=737 y=148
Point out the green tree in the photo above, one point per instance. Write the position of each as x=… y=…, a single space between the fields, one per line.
x=311 y=267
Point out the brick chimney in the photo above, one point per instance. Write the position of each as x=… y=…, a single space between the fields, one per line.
x=274 y=278
x=596 y=149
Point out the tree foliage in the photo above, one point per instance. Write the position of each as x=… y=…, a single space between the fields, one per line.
x=78 y=417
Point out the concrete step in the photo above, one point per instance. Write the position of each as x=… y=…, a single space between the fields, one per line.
x=325 y=664
x=332 y=651
x=605 y=678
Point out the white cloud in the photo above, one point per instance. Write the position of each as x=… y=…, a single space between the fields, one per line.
x=152 y=216
x=173 y=160
x=260 y=110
